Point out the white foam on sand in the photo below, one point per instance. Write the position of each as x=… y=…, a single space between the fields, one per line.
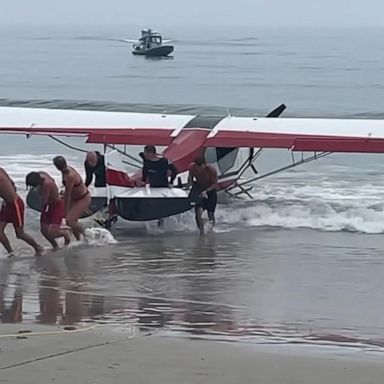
x=99 y=236
x=94 y=237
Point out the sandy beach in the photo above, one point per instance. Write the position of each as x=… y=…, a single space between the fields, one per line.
x=99 y=355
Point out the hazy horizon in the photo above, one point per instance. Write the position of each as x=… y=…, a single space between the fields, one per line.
x=247 y=13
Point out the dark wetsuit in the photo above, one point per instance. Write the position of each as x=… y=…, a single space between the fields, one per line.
x=98 y=171
x=157 y=172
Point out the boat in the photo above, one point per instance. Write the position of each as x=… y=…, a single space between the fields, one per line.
x=151 y=44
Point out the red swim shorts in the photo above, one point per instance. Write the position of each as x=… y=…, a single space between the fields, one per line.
x=53 y=214
x=13 y=213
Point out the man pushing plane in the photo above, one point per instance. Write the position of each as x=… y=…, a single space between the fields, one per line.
x=52 y=207
x=77 y=198
x=12 y=212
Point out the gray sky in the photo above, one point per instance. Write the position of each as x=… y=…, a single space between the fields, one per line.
x=163 y=13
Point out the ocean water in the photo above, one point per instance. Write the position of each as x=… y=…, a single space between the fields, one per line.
x=300 y=263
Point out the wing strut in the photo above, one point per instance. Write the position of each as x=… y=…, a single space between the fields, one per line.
x=123 y=153
x=294 y=164
x=67 y=145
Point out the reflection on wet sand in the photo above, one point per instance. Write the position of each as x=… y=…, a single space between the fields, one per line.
x=51 y=305
x=188 y=286
x=151 y=297
x=183 y=304
x=200 y=314
x=60 y=293
x=10 y=310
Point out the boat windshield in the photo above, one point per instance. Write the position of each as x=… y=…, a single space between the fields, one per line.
x=150 y=41
x=156 y=40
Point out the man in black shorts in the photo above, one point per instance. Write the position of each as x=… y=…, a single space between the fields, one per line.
x=205 y=176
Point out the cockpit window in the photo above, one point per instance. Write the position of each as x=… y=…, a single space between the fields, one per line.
x=210 y=155
x=224 y=157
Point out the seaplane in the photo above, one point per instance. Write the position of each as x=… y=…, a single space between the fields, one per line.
x=231 y=144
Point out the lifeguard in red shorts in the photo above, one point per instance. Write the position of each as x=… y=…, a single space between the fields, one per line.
x=12 y=212
x=53 y=211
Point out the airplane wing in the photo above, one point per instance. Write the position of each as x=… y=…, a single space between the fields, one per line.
x=300 y=134
x=296 y=134
x=96 y=126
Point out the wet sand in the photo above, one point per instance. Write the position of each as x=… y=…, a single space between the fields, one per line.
x=240 y=306
x=101 y=355
x=265 y=287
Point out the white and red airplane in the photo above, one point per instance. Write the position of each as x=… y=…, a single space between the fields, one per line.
x=231 y=144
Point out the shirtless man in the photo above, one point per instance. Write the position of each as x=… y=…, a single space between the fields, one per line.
x=52 y=207
x=77 y=198
x=12 y=212
x=205 y=176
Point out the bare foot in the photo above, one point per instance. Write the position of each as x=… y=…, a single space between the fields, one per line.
x=39 y=251
x=10 y=254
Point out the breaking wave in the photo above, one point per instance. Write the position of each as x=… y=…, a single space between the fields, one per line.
x=318 y=215
x=332 y=197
